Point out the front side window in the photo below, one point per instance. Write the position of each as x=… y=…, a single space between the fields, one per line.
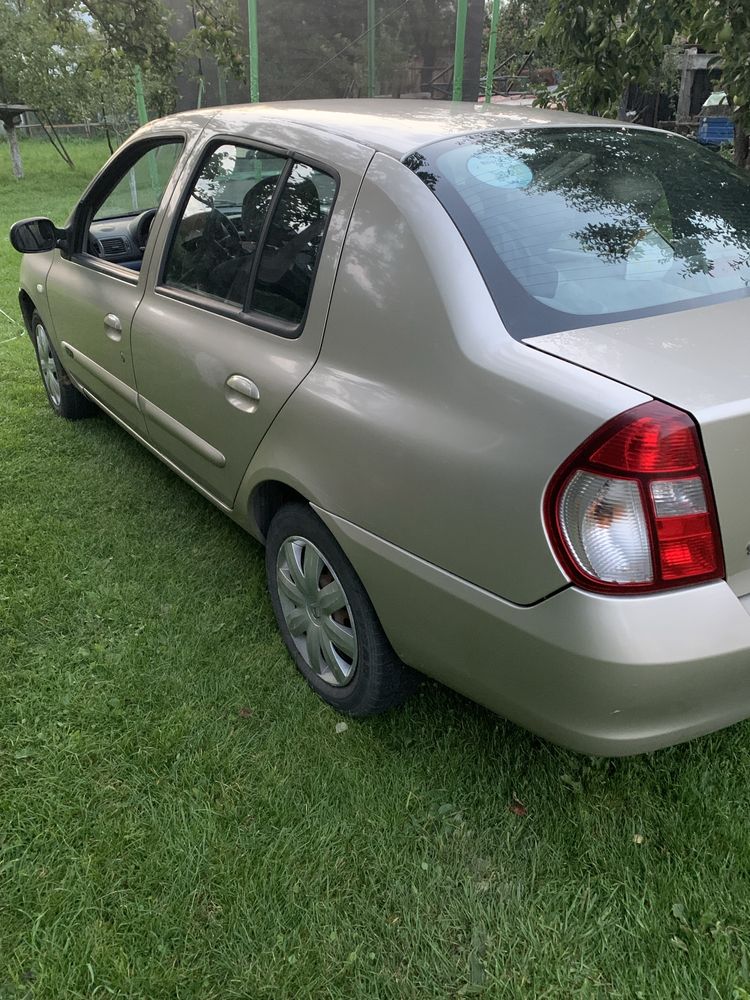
x=576 y=227
x=250 y=232
x=142 y=187
x=117 y=223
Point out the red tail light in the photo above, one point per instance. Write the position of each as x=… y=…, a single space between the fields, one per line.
x=632 y=510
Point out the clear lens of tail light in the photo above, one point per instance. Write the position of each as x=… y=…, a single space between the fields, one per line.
x=675 y=497
x=605 y=527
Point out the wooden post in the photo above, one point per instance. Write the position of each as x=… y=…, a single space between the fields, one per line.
x=9 y=122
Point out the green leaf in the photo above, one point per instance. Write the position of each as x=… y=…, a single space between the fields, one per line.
x=678 y=911
x=476 y=970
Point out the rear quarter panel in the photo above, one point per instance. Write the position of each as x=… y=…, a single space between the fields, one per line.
x=423 y=421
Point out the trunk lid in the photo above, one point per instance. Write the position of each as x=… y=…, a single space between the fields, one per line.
x=698 y=360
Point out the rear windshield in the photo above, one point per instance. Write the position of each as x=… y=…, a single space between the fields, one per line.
x=581 y=226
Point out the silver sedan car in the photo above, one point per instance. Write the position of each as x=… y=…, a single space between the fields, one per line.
x=479 y=380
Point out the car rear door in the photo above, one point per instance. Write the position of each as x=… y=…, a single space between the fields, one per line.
x=236 y=302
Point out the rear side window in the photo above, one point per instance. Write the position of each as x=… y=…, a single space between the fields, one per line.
x=581 y=226
x=290 y=252
x=250 y=233
x=214 y=244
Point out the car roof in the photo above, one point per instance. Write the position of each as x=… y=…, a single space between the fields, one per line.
x=392 y=125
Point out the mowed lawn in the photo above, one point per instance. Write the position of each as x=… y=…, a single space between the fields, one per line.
x=180 y=819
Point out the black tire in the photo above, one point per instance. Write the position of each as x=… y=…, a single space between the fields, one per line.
x=62 y=395
x=379 y=680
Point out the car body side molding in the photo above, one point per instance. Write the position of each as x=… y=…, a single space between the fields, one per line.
x=111 y=381
x=182 y=433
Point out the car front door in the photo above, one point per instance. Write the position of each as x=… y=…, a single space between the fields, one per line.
x=233 y=317
x=94 y=289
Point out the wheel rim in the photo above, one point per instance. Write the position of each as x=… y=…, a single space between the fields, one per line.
x=316 y=611
x=47 y=364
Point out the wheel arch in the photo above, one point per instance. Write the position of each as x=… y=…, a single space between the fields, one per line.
x=27 y=306
x=268 y=497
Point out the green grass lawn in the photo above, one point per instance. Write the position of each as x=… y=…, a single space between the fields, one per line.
x=180 y=819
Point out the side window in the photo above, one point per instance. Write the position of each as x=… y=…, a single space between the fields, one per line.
x=290 y=252
x=214 y=243
x=119 y=222
x=143 y=185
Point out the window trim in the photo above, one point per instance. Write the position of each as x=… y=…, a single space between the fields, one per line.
x=83 y=215
x=242 y=314
x=263 y=235
x=108 y=267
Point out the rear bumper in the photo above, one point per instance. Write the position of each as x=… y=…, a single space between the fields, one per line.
x=602 y=675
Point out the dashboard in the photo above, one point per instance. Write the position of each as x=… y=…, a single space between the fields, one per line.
x=121 y=240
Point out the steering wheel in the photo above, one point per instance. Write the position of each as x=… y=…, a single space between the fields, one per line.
x=143 y=228
x=220 y=234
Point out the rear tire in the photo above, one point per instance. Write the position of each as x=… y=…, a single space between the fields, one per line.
x=62 y=395
x=327 y=620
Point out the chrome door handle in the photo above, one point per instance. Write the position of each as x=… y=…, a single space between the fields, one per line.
x=113 y=326
x=242 y=393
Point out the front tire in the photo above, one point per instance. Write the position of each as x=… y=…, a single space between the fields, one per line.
x=62 y=395
x=327 y=620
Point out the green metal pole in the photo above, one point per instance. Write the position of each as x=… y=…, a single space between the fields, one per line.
x=370 y=48
x=140 y=99
x=458 y=57
x=252 y=30
x=491 y=52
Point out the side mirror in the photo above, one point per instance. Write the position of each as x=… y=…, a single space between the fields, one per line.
x=35 y=235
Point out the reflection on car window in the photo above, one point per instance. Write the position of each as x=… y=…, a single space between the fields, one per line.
x=578 y=226
x=287 y=263
x=217 y=239
x=143 y=185
x=214 y=244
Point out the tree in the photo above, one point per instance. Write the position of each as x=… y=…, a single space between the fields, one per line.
x=138 y=28
x=41 y=64
x=76 y=59
x=604 y=47
x=518 y=35
x=218 y=33
x=725 y=28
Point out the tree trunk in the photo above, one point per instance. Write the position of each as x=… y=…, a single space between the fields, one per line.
x=15 y=152
x=427 y=52
x=741 y=141
x=622 y=108
x=473 y=50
